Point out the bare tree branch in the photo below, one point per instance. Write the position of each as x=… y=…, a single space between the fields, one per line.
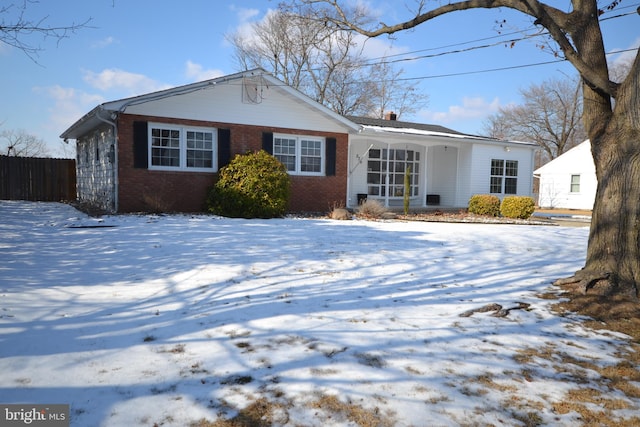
x=325 y=63
x=560 y=25
x=22 y=144
x=16 y=28
x=551 y=116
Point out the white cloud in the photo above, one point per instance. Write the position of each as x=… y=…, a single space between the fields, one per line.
x=244 y=14
x=245 y=17
x=66 y=105
x=471 y=109
x=379 y=47
x=627 y=57
x=196 y=72
x=107 y=41
x=69 y=105
x=122 y=81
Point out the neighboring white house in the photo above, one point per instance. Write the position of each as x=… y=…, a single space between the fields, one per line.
x=569 y=181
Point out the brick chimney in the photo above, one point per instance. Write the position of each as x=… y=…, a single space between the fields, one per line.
x=390 y=116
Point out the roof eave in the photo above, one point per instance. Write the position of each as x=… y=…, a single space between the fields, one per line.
x=417 y=133
x=84 y=124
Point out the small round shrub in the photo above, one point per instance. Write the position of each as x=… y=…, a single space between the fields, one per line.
x=371 y=209
x=484 y=204
x=517 y=207
x=253 y=185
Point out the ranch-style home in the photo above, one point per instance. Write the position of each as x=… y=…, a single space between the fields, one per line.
x=162 y=151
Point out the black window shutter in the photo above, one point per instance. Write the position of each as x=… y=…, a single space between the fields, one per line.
x=267 y=142
x=140 y=145
x=330 y=157
x=224 y=147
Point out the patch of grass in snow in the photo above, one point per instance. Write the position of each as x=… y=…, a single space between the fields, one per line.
x=266 y=412
x=237 y=334
x=331 y=408
x=370 y=360
x=320 y=372
x=529 y=419
x=590 y=392
x=593 y=401
x=237 y=379
x=246 y=346
x=176 y=349
x=595 y=409
x=260 y=413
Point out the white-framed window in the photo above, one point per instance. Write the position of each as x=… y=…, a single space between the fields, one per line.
x=174 y=147
x=575 y=184
x=301 y=155
x=504 y=176
x=386 y=170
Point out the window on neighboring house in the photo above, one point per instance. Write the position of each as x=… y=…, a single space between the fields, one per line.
x=504 y=176
x=177 y=147
x=301 y=155
x=575 y=183
x=392 y=164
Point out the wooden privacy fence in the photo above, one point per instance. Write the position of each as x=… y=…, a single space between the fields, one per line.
x=37 y=179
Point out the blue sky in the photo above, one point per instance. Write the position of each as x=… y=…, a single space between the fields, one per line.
x=137 y=46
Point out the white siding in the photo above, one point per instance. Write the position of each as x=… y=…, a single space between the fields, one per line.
x=555 y=180
x=224 y=103
x=442 y=167
x=357 y=170
x=454 y=170
x=481 y=169
x=94 y=169
x=465 y=172
x=358 y=158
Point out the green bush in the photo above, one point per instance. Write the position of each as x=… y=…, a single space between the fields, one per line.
x=517 y=207
x=484 y=204
x=254 y=185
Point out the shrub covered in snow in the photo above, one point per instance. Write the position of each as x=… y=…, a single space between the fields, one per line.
x=517 y=207
x=253 y=185
x=484 y=204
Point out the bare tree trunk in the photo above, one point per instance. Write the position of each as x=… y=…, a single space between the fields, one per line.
x=613 y=255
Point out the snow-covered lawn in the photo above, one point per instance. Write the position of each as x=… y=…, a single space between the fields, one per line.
x=165 y=320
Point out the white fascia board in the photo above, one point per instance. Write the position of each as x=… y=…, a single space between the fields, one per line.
x=377 y=130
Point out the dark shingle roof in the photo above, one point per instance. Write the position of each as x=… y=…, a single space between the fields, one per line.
x=367 y=121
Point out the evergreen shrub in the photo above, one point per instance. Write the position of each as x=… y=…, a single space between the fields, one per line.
x=253 y=185
x=520 y=207
x=484 y=204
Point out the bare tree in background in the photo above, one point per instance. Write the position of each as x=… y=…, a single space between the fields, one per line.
x=16 y=28
x=611 y=113
x=326 y=64
x=22 y=144
x=551 y=116
x=620 y=69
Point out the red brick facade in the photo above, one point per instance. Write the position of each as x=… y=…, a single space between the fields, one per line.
x=141 y=189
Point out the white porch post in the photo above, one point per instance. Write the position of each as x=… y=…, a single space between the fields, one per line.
x=425 y=179
x=386 y=178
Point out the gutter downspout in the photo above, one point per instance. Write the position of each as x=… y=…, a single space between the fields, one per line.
x=116 y=181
